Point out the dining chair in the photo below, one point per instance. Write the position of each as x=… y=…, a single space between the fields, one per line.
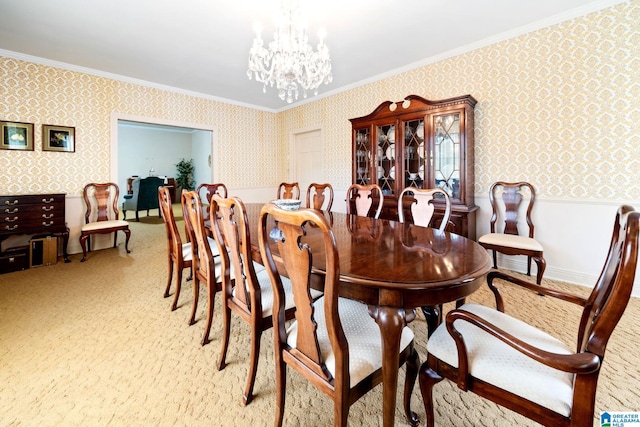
x=246 y=287
x=422 y=206
x=365 y=200
x=206 y=260
x=527 y=370
x=505 y=199
x=211 y=189
x=317 y=194
x=334 y=343
x=179 y=254
x=288 y=190
x=101 y=215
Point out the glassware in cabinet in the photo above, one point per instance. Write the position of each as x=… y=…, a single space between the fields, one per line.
x=362 y=156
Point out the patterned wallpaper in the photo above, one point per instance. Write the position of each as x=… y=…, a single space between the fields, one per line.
x=559 y=107
x=41 y=94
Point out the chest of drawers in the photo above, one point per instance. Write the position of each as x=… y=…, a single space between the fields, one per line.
x=42 y=214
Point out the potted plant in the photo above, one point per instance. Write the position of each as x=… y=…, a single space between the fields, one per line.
x=185 y=179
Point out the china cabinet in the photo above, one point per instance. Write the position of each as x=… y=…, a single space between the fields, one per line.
x=419 y=143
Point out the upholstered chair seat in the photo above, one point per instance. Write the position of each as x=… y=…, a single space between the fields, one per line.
x=103 y=225
x=362 y=333
x=512 y=241
x=518 y=373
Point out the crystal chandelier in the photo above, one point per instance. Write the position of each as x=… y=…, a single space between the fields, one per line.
x=289 y=62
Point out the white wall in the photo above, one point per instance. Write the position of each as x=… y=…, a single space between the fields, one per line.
x=142 y=147
x=575 y=236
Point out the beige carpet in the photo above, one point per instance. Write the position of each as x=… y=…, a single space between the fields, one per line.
x=95 y=344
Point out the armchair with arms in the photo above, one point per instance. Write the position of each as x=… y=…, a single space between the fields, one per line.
x=520 y=367
x=144 y=197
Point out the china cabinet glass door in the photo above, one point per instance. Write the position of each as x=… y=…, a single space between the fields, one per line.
x=446 y=153
x=414 y=154
x=386 y=158
x=362 y=156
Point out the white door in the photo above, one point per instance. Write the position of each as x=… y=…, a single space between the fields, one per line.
x=307 y=165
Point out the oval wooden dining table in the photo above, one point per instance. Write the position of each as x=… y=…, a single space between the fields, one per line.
x=394 y=268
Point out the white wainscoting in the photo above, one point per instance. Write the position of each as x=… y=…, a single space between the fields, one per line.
x=575 y=236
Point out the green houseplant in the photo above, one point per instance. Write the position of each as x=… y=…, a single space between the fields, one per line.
x=185 y=179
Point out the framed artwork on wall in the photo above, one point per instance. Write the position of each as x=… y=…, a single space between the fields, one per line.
x=16 y=136
x=58 y=138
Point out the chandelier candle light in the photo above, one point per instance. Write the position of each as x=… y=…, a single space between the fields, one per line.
x=289 y=62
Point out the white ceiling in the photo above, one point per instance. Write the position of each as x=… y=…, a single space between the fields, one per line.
x=201 y=46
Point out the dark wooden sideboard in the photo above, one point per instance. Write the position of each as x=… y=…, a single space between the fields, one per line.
x=34 y=214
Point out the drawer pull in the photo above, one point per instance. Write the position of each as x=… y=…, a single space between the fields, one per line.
x=47 y=224
x=47 y=200
x=7 y=202
x=45 y=216
x=10 y=228
x=14 y=210
x=48 y=208
x=15 y=218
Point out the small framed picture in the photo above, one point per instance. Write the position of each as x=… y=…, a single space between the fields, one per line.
x=58 y=138
x=16 y=136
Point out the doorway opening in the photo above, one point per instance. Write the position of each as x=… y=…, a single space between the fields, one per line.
x=146 y=146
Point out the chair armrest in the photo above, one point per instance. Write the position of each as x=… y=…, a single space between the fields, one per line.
x=539 y=289
x=576 y=363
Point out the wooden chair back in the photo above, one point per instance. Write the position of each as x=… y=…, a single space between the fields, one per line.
x=101 y=201
x=288 y=190
x=101 y=215
x=297 y=261
x=506 y=200
x=211 y=189
x=203 y=259
x=365 y=200
x=612 y=291
x=422 y=206
x=306 y=355
x=243 y=286
x=174 y=244
x=174 y=240
x=317 y=194
x=231 y=233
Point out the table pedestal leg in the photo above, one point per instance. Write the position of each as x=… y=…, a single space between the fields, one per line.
x=391 y=321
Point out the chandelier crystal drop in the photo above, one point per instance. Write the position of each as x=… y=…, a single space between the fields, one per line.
x=289 y=62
